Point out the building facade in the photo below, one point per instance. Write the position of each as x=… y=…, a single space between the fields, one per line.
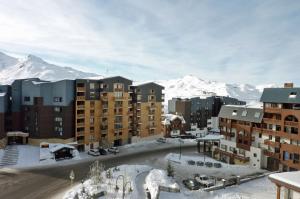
x=92 y=113
x=204 y=111
x=181 y=107
x=173 y=125
x=147 y=110
x=280 y=127
x=240 y=126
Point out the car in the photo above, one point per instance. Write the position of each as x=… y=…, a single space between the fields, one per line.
x=217 y=165
x=191 y=184
x=191 y=162
x=113 y=149
x=208 y=164
x=200 y=163
x=93 y=152
x=204 y=180
x=102 y=151
x=162 y=140
x=188 y=136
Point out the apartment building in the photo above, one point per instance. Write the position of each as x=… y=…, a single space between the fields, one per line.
x=5 y=122
x=47 y=110
x=204 y=111
x=103 y=112
x=147 y=102
x=173 y=125
x=240 y=126
x=181 y=107
x=280 y=127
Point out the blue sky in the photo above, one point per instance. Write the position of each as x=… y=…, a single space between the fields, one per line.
x=238 y=41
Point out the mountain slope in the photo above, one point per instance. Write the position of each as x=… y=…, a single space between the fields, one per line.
x=191 y=86
x=12 y=68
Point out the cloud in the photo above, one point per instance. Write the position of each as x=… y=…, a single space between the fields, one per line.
x=232 y=41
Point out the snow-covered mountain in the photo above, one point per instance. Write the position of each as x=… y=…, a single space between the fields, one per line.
x=12 y=68
x=192 y=86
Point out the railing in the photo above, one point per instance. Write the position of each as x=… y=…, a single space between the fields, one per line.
x=80 y=89
x=291 y=123
x=80 y=124
x=80 y=106
x=80 y=115
x=80 y=97
x=273 y=110
x=271 y=143
x=271 y=154
x=80 y=133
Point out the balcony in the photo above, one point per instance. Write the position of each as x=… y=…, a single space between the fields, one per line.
x=103 y=131
x=271 y=154
x=80 y=124
x=104 y=106
x=80 y=116
x=271 y=143
x=80 y=97
x=291 y=123
x=80 y=142
x=257 y=129
x=79 y=133
x=227 y=134
x=271 y=121
x=233 y=155
x=80 y=89
x=80 y=107
x=273 y=110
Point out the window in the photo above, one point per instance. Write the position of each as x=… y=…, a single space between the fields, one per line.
x=118 y=86
x=293 y=95
x=57 y=99
x=92 y=86
x=27 y=99
x=257 y=114
x=244 y=113
x=242 y=151
x=234 y=112
x=139 y=97
x=58 y=119
x=58 y=109
x=254 y=155
x=118 y=94
x=231 y=148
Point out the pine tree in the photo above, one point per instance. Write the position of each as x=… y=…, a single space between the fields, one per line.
x=170 y=170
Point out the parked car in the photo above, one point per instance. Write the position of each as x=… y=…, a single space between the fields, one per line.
x=217 y=165
x=191 y=184
x=191 y=162
x=102 y=151
x=208 y=164
x=188 y=136
x=114 y=149
x=162 y=140
x=200 y=163
x=93 y=152
x=204 y=180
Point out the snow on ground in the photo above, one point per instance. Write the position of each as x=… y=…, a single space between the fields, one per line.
x=185 y=170
x=130 y=173
x=157 y=178
x=28 y=155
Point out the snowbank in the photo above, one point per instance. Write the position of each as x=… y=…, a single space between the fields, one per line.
x=158 y=178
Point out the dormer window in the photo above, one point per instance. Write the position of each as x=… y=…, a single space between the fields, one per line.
x=293 y=95
x=234 y=112
x=244 y=113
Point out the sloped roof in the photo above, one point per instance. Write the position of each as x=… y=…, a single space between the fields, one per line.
x=280 y=95
x=236 y=113
x=171 y=117
x=60 y=146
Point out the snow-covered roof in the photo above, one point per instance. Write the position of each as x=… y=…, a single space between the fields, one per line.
x=287 y=178
x=171 y=117
x=60 y=146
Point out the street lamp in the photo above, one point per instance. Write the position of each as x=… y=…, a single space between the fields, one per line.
x=124 y=184
x=180 y=141
x=72 y=176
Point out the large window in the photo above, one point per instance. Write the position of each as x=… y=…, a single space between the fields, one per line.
x=26 y=99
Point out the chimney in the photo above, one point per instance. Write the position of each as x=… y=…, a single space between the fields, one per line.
x=288 y=85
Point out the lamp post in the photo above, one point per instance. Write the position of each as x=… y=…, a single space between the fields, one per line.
x=180 y=141
x=72 y=176
x=124 y=184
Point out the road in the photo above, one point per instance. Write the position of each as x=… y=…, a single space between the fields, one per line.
x=52 y=181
